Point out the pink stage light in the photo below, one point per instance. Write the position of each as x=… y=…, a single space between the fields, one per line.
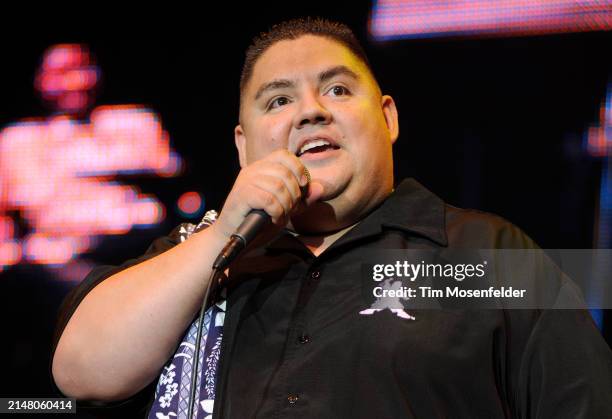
x=190 y=203
x=599 y=136
x=7 y=228
x=396 y=19
x=59 y=173
x=10 y=253
x=67 y=77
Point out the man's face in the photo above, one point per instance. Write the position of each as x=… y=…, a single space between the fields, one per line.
x=314 y=97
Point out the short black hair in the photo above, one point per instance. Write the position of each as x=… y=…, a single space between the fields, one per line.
x=295 y=28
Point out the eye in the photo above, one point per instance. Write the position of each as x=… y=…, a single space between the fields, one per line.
x=338 y=91
x=278 y=102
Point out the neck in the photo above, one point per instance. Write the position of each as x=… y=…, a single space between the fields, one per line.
x=317 y=244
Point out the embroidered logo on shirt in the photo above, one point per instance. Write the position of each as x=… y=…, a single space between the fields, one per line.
x=394 y=304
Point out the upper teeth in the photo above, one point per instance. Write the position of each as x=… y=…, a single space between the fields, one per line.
x=312 y=144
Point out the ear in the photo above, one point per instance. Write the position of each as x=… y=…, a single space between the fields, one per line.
x=390 y=114
x=240 y=141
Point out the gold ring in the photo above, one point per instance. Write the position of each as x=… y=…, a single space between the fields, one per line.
x=307 y=173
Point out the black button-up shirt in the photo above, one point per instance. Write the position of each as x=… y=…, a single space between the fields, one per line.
x=296 y=346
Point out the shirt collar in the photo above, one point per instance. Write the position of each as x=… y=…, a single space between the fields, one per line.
x=410 y=208
x=413 y=208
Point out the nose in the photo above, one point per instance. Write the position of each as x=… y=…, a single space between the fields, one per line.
x=311 y=112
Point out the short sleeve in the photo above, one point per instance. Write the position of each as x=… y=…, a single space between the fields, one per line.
x=98 y=275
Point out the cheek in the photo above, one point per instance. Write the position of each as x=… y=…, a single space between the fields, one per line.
x=366 y=138
x=270 y=135
x=363 y=126
x=362 y=111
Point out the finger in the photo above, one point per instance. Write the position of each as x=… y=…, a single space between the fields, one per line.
x=280 y=171
x=294 y=164
x=276 y=187
x=314 y=193
x=264 y=200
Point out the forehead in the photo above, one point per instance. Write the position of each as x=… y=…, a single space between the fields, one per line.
x=304 y=57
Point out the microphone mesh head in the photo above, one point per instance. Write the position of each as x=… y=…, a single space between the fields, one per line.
x=307 y=173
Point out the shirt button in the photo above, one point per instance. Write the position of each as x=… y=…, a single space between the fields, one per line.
x=304 y=339
x=292 y=398
x=315 y=274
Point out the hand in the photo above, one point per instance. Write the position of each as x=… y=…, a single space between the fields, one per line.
x=274 y=184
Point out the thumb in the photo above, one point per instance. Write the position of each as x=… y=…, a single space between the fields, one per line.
x=315 y=191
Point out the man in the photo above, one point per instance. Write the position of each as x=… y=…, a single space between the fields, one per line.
x=298 y=336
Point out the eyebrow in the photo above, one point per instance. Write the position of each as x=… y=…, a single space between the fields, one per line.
x=340 y=70
x=324 y=76
x=273 y=85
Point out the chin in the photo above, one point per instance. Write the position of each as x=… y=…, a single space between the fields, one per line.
x=334 y=184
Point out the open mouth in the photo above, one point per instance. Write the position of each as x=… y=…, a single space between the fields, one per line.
x=315 y=146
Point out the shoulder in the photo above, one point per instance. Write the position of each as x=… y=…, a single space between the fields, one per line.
x=474 y=228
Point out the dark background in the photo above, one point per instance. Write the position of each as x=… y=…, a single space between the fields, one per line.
x=492 y=124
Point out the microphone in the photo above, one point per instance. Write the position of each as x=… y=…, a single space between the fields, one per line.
x=254 y=222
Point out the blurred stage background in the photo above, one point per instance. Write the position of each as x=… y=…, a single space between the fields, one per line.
x=113 y=133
